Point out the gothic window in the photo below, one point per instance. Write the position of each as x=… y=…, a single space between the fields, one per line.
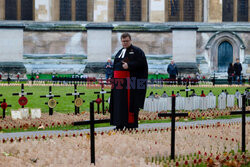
x=242 y=10
x=227 y=10
x=135 y=10
x=81 y=10
x=120 y=10
x=65 y=9
x=11 y=10
x=26 y=9
x=174 y=10
x=189 y=10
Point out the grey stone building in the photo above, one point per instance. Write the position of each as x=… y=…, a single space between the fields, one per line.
x=75 y=36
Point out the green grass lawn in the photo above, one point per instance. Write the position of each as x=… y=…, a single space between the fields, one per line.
x=65 y=102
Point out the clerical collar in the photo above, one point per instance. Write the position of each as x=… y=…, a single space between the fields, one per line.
x=122 y=53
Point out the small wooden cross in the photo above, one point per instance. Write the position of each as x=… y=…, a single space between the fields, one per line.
x=22 y=100
x=50 y=96
x=243 y=128
x=102 y=92
x=92 y=123
x=4 y=106
x=186 y=90
x=173 y=115
x=77 y=97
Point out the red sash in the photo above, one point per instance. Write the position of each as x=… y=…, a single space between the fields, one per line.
x=123 y=75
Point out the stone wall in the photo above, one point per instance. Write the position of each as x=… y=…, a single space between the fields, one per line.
x=158 y=43
x=63 y=46
x=61 y=52
x=215 y=11
x=55 y=42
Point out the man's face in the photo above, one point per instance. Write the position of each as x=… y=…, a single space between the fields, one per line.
x=126 y=42
x=172 y=62
x=238 y=61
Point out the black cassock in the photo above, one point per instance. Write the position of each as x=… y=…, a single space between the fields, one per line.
x=128 y=87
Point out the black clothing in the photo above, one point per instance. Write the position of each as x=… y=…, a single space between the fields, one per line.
x=237 y=69
x=230 y=70
x=172 y=69
x=128 y=88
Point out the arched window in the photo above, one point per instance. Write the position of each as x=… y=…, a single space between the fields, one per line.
x=242 y=14
x=174 y=10
x=228 y=10
x=189 y=10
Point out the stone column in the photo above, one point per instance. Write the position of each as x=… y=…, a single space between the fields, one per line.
x=166 y=10
x=144 y=10
x=127 y=10
x=43 y=10
x=73 y=10
x=248 y=10
x=99 y=46
x=198 y=11
x=55 y=10
x=90 y=8
x=18 y=9
x=2 y=9
x=205 y=10
x=100 y=10
x=181 y=10
x=184 y=48
x=157 y=11
x=235 y=10
x=11 y=49
x=215 y=11
x=111 y=10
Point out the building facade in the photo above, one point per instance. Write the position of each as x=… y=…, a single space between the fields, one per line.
x=70 y=35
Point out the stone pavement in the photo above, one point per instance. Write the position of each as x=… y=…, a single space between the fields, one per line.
x=141 y=126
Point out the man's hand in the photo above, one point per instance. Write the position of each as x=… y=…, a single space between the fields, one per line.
x=125 y=65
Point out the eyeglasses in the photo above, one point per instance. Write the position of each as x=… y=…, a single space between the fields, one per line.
x=125 y=41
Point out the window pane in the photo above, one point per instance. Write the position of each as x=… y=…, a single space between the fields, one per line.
x=81 y=10
x=135 y=10
x=10 y=10
x=26 y=9
x=189 y=10
x=173 y=10
x=120 y=10
x=228 y=10
x=65 y=9
x=242 y=10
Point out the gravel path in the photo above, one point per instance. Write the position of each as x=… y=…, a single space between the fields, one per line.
x=141 y=126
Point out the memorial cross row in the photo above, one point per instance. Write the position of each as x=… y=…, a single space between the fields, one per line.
x=77 y=100
x=22 y=100
x=52 y=102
